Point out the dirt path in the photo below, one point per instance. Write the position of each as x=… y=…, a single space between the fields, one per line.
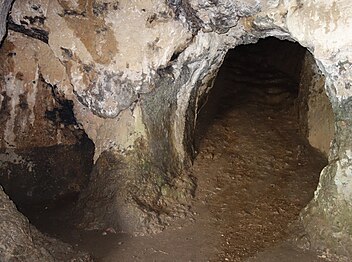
x=255 y=173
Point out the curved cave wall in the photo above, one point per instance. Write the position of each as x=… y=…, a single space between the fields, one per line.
x=315 y=110
x=290 y=75
x=135 y=84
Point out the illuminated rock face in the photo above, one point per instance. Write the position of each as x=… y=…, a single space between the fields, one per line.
x=135 y=71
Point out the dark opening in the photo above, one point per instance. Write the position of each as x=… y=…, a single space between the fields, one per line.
x=267 y=73
x=252 y=149
x=52 y=163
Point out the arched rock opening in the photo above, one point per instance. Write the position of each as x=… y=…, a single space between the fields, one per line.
x=313 y=214
x=272 y=72
x=254 y=164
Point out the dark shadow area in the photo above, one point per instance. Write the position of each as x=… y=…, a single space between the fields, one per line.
x=47 y=178
x=266 y=73
x=50 y=174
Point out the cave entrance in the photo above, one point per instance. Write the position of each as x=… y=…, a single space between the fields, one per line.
x=45 y=156
x=262 y=135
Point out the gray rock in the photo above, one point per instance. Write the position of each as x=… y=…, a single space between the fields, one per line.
x=5 y=6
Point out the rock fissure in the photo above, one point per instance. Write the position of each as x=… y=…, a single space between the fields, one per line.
x=33 y=32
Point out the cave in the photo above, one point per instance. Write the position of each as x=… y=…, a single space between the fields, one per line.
x=50 y=157
x=175 y=130
x=263 y=131
x=288 y=76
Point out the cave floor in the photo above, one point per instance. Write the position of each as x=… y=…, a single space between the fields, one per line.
x=254 y=174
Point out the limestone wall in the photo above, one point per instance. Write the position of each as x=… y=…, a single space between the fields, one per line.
x=19 y=240
x=136 y=69
x=315 y=110
x=38 y=133
x=29 y=111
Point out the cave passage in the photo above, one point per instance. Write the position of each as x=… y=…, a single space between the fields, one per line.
x=42 y=177
x=255 y=168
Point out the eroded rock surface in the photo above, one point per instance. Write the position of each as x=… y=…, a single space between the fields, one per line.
x=133 y=208
x=316 y=115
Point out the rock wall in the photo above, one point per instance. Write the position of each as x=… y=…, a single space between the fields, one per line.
x=39 y=134
x=28 y=102
x=136 y=72
x=315 y=110
x=108 y=64
x=4 y=10
x=19 y=240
